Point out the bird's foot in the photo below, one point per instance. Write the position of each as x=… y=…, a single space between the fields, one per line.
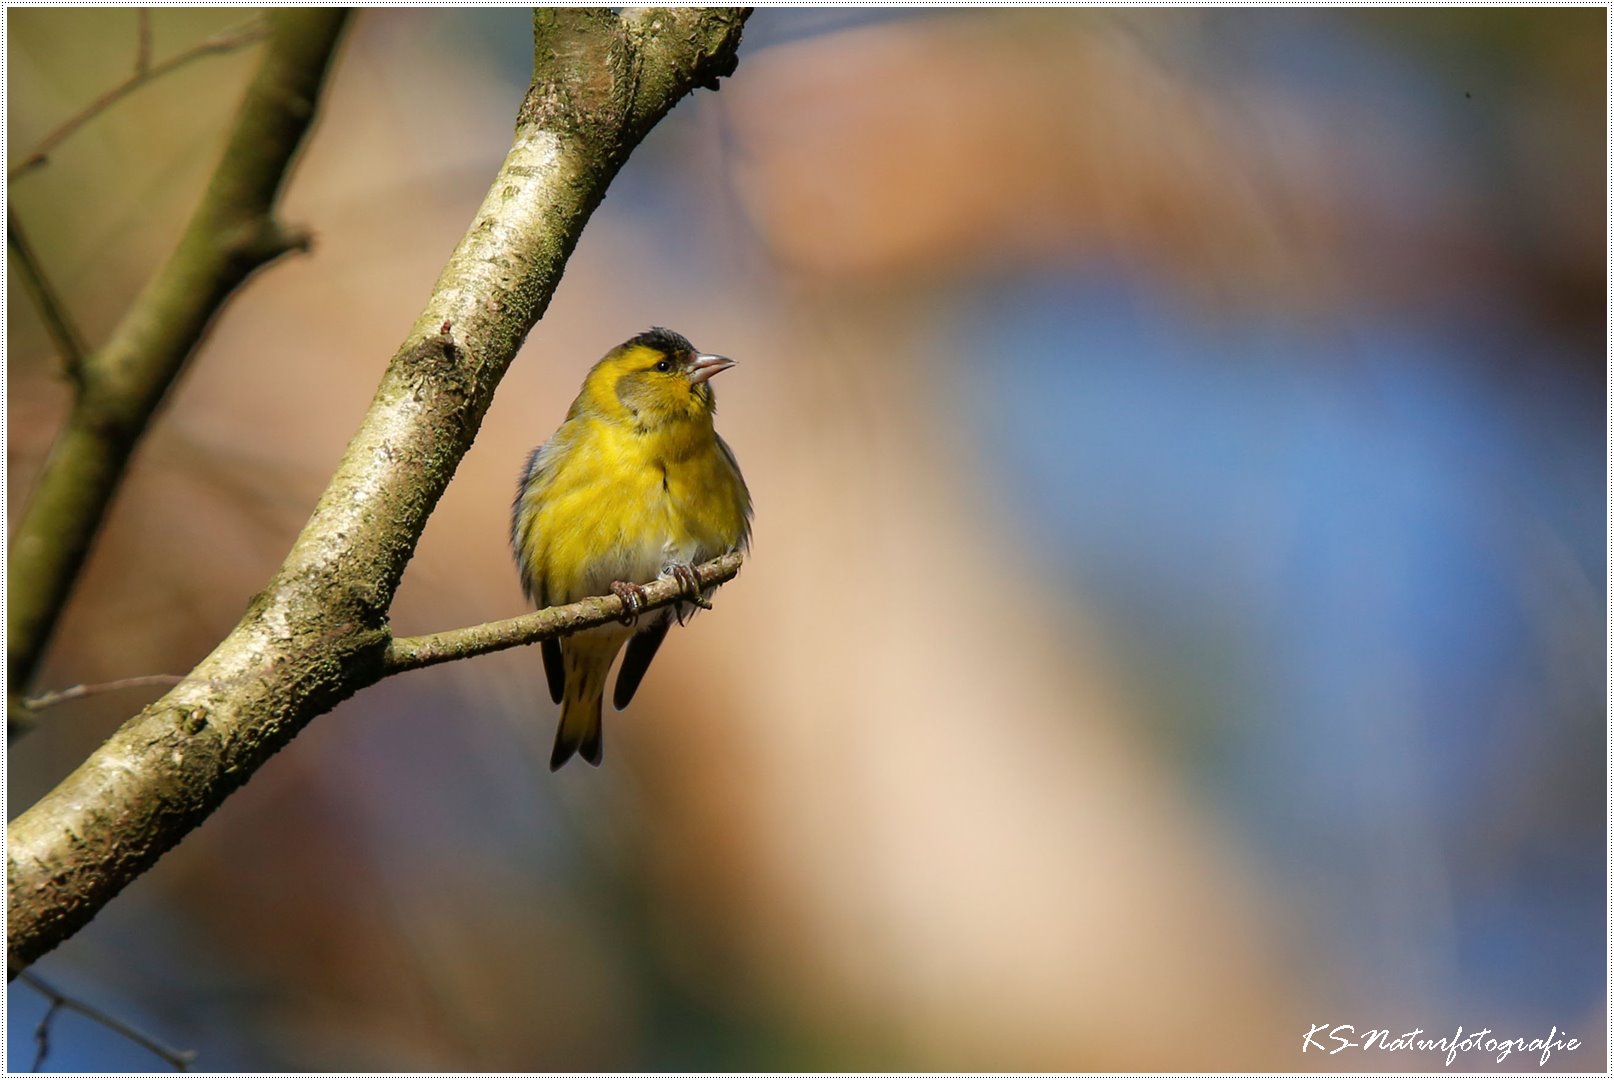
x=632 y=597
x=690 y=580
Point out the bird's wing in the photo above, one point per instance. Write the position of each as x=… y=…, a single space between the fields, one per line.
x=744 y=540
x=536 y=477
x=636 y=661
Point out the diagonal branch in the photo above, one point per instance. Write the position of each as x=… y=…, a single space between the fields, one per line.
x=318 y=632
x=237 y=37
x=232 y=233
x=69 y=343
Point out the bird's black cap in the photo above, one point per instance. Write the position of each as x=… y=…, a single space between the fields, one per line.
x=669 y=342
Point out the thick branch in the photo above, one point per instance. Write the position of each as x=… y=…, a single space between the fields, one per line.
x=231 y=234
x=318 y=632
x=407 y=654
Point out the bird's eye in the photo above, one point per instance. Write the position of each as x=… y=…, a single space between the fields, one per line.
x=664 y=365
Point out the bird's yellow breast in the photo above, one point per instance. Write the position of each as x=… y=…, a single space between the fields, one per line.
x=616 y=503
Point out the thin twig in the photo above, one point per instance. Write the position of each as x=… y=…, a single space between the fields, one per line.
x=409 y=653
x=56 y=697
x=39 y=702
x=225 y=41
x=142 y=42
x=42 y=1035
x=178 y=1060
x=232 y=232
x=57 y=322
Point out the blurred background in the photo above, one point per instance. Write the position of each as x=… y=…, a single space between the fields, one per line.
x=1176 y=612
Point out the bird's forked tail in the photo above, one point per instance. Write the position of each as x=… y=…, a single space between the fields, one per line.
x=580 y=731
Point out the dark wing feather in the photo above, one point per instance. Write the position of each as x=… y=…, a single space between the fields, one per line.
x=739 y=478
x=641 y=650
x=538 y=473
x=555 y=668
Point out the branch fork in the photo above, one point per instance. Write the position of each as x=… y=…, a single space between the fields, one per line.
x=317 y=633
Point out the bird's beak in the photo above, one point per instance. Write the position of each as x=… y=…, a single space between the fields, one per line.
x=706 y=365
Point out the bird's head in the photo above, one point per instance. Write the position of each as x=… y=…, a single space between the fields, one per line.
x=654 y=379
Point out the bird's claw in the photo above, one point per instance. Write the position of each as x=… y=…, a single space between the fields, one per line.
x=632 y=597
x=689 y=579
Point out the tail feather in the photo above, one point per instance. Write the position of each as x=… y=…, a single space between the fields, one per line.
x=579 y=730
x=587 y=661
x=593 y=748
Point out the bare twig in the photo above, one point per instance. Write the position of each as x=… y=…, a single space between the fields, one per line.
x=409 y=653
x=31 y=705
x=232 y=233
x=177 y=1059
x=42 y=1033
x=142 y=42
x=69 y=344
x=236 y=37
x=72 y=693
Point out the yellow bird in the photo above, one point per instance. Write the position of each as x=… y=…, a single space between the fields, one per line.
x=634 y=485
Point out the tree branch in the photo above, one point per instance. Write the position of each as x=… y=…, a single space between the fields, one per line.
x=142 y=42
x=176 y=1059
x=409 y=653
x=73 y=693
x=58 y=324
x=236 y=37
x=232 y=233
x=318 y=632
x=428 y=650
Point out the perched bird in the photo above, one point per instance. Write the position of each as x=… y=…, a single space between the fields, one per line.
x=636 y=484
